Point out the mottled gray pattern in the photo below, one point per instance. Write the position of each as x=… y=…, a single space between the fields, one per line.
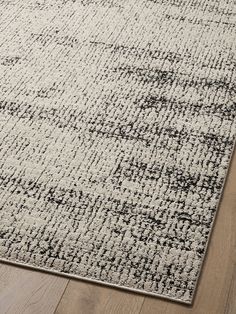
x=117 y=122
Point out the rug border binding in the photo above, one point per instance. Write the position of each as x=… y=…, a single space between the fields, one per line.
x=141 y=292
x=100 y=282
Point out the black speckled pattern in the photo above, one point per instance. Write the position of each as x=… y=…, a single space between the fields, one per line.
x=117 y=123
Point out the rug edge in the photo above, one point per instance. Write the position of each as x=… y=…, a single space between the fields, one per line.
x=95 y=281
x=138 y=291
x=197 y=282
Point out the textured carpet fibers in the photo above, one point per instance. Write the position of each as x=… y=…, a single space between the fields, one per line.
x=117 y=123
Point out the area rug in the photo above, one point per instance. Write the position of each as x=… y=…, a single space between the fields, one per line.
x=117 y=123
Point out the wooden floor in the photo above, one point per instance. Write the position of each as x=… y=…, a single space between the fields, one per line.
x=32 y=292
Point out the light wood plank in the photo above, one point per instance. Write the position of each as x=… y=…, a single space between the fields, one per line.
x=85 y=298
x=24 y=291
x=231 y=302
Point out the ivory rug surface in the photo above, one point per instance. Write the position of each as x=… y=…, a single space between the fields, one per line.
x=117 y=123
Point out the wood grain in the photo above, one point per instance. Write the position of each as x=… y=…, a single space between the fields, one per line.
x=85 y=298
x=231 y=302
x=29 y=292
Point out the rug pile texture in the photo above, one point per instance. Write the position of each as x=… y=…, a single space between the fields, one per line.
x=117 y=123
